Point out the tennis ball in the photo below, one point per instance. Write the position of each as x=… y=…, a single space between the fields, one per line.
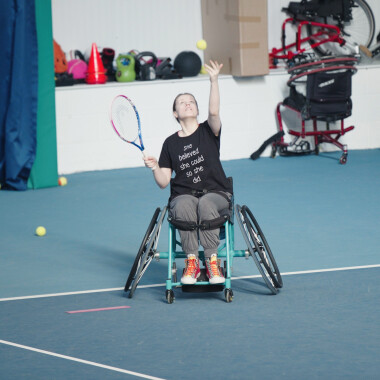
x=62 y=181
x=40 y=231
x=203 y=70
x=201 y=44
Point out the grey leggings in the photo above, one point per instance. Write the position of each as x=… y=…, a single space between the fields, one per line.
x=192 y=209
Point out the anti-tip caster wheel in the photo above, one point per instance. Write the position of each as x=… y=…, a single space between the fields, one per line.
x=170 y=296
x=229 y=295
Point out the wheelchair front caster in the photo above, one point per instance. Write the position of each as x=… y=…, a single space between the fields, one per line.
x=229 y=295
x=170 y=296
x=343 y=158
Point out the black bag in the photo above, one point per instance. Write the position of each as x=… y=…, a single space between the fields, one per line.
x=339 y=10
x=328 y=95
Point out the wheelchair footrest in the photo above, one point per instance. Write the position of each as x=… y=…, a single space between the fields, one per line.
x=301 y=148
x=202 y=288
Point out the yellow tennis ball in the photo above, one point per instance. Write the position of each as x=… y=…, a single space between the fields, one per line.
x=201 y=44
x=62 y=181
x=203 y=70
x=40 y=231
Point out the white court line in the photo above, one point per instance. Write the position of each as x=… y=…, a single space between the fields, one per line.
x=74 y=293
x=80 y=360
x=158 y=285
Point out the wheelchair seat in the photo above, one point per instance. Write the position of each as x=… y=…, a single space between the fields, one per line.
x=224 y=215
x=327 y=98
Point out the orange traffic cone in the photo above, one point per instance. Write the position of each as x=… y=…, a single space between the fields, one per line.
x=96 y=74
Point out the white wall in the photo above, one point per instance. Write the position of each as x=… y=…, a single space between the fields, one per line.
x=165 y=27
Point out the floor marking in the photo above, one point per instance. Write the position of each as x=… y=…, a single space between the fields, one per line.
x=81 y=360
x=61 y=294
x=332 y=269
x=100 y=309
x=74 y=293
x=158 y=285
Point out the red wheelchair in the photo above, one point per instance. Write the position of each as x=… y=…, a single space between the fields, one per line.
x=326 y=99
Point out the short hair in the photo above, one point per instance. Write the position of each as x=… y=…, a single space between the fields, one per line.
x=175 y=101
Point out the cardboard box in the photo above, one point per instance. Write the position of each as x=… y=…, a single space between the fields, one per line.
x=236 y=32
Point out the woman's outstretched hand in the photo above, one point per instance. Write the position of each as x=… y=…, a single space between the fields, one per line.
x=213 y=69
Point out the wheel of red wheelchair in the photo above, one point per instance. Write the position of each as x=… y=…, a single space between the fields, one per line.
x=146 y=252
x=358 y=30
x=259 y=249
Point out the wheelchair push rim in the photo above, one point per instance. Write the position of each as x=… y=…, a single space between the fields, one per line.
x=259 y=249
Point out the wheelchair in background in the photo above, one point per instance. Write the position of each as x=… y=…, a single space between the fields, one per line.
x=327 y=100
x=257 y=248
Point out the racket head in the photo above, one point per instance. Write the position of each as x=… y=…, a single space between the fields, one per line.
x=125 y=121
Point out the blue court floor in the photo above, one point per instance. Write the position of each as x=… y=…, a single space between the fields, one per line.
x=321 y=220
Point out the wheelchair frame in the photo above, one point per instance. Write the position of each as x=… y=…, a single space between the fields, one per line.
x=258 y=249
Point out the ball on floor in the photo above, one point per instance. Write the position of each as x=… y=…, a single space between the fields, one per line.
x=62 y=181
x=40 y=231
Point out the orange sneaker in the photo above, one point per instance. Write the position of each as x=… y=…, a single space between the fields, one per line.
x=214 y=271
x=191 y=272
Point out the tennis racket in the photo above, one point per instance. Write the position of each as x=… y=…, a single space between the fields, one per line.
x=125 y=121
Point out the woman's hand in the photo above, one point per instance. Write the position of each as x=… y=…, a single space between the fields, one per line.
x=162 y=176
x=213 y=70
x=150 y=162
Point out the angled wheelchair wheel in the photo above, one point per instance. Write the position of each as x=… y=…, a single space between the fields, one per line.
x=146 y=251
x=258 y=248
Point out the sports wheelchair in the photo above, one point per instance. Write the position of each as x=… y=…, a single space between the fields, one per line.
x=258 y=249
x=327 y=99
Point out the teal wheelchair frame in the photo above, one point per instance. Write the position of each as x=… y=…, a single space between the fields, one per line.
x=257 y=248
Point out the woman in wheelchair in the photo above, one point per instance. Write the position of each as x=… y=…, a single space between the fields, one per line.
x=200 y=188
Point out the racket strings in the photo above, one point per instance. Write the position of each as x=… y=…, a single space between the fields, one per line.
x=124 y=119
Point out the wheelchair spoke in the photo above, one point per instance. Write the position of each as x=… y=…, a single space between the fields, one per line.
x=145 y=267
x=261 y=255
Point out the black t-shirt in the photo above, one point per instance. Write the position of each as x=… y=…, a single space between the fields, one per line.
x=195 y=161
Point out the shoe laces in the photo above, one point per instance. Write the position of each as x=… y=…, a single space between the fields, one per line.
x=191 y=266
x=214 y=266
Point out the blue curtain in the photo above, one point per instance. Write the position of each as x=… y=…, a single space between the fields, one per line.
x=18 y=92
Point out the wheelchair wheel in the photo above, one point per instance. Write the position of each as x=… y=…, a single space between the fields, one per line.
x=170 y=298
x=146 y=252
x=259 y=249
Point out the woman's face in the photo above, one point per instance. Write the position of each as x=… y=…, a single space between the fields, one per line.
x=185 y=107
